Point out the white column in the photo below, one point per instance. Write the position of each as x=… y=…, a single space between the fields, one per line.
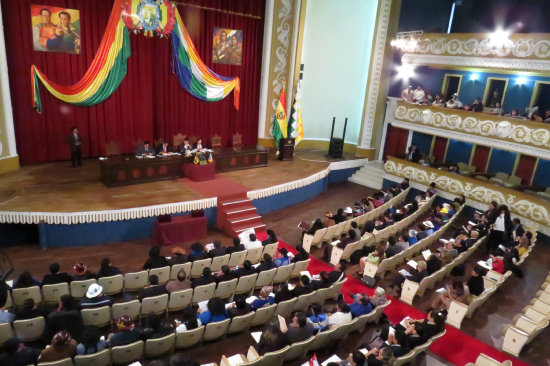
x=266 y=58
x=6 y=99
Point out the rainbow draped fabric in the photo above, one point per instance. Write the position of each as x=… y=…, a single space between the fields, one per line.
x=109 y=67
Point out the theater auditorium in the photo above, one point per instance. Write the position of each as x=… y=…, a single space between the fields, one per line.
x=274 y=182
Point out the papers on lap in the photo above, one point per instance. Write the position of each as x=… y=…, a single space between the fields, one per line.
x=404 y=272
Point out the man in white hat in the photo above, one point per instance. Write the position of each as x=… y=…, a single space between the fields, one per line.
x=454 y=102
x=95 y=298
x=429 y=227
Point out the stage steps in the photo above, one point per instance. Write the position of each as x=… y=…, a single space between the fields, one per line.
x=237 y=214
x=371 y=175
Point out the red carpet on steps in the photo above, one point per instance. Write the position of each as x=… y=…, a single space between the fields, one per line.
x=456 y=346
x=219 y=187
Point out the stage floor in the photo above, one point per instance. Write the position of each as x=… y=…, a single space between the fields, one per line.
x=56 y=187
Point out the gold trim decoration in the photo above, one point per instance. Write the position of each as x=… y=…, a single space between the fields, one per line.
x=520 y=45
x=531 y=138
x=529 y=207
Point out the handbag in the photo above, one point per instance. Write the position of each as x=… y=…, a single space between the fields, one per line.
x=368 y=281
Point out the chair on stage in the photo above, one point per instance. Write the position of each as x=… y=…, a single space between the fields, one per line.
x=178 y=140
x=237 y=142
x=112 y=149
x=216 y=142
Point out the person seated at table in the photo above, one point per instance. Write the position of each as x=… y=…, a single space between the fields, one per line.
x=155 y=259
x=218 y=250
x=215 y=313
x=180 y=283
x=266 y=264
x=145 y=150
x=164 y=148
x=303 y=287
x=178 y=256
x=225 y=275
x=153 y=289
x=272 y=338
x=241 y=307
x=253 y=243
x=197 y=252
x=198 y=145
x=245 y=270
x=206 y=278
x=271 y=238
x=185 y=146
x=237 y=246
x=263 y=298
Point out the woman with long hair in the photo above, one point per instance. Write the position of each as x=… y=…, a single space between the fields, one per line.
x=272 y=338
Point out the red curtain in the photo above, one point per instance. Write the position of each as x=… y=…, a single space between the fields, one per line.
x=396 y=142
x=150 y=103
x=525 y=168
x=440 y=145
x=480 y=158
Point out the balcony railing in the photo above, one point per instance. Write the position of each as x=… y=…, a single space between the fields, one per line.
x=523 y=51
x=524 y=136
x=532 y=209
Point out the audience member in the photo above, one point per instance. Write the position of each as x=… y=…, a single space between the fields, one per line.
x=477 y=106
x=361 y=305
x=393 y=249
x=342 y=315
x=237 y=246
x=454 y=102
x=215 y=313
x=282 y=293
x=253 y=243
x=272 y=338
x=413 y=153
x=271 y=238
x=419 y=331
x=300 y=329
x=55 y=277
x=95 y=298
x=180 y=283
x=155 y=327
x=407 y=94
x=107 y=270
x=438 y=101
x=155 y=259
x=455 y=292
x=62 y=346
x=189 y=320
x=302 y=254
x=25 y=279
x=338 y=274
x=218 y=250
x=329 y=221
x=245 y=270
x=379 y=297
x=91 y=341
x=416 y=276
x=339 y=217
x=153 y=289
x=283 y=260
x=126 y=332
x=206 y=278
x=263 y=298
x=179 y=359
x=266 y=264
x=67 y=316
x=225 y=275
x=317 y=318
x=241 y=307
x=28 y=311
x=178 y=256
x=17 y=354
x=303 y=287
x=6 y=316
x=197 y=252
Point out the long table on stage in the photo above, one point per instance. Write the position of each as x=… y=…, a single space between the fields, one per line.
x=128 y=169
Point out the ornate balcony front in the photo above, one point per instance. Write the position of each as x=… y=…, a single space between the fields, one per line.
x=521 y=52
x=524 y=136
x=533 y=210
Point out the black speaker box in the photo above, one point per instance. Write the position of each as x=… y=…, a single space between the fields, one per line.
x=336 y=147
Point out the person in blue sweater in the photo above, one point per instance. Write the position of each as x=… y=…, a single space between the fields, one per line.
x=361 y=305
x=263 y=299
x=215 y=313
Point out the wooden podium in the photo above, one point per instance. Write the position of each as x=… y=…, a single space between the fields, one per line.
x=286 y=149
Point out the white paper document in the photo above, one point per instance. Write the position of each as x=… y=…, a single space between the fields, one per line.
x=426 y=254
x=404 y=272
x=256 y=336
x=412 y=263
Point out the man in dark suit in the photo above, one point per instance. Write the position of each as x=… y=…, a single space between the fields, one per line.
x=164 y=148
x=154 y=289
x=413 y=154
x=422 y=233
x=237 y=246
x=145 y=150
x=241 y=307
x=245 y=270
x=517 y=228
x=76 y=148
x=198 y=145
x=299 y=330
x=338 y=275
x=55 y=277
x=218 y=250
x=185 y=146
x=393 y=249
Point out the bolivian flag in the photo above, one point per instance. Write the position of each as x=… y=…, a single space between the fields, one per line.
x=279 y=120
x=196 y=160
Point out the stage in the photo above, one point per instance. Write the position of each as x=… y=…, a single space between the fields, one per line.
x=60 y=199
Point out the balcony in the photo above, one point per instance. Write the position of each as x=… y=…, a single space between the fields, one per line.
x=523 y=136
x=522 y=52
x=533 y=211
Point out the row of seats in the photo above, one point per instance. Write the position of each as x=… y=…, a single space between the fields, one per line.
x=484 y=360
x=411 y=289
x=314 y=343
x=50 y=294
x=389 y=264
x=28 y=330
x=335 y=231
x=533 y=319
x=492 y=280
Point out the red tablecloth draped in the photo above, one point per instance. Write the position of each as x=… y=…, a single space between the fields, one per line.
x=180 y=229
x=199 y=173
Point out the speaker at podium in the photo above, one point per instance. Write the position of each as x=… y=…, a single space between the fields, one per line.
x=286 y=149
